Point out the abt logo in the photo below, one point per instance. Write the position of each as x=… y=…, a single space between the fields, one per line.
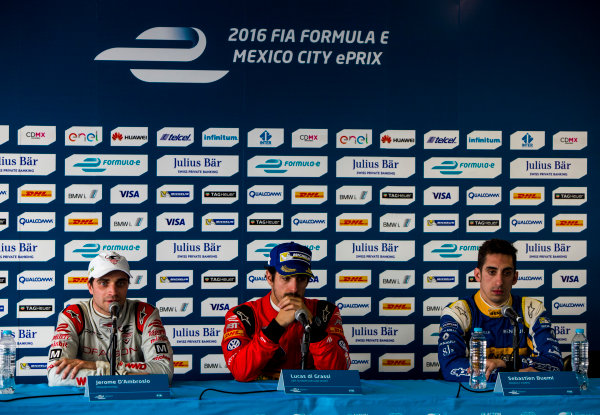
x=178 y=34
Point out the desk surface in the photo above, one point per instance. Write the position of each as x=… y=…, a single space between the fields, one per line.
x=380 y=397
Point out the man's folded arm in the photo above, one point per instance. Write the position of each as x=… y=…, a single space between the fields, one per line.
x=246 y=354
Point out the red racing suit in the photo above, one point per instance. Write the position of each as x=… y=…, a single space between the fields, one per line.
x=255 y=346
x=84 y=334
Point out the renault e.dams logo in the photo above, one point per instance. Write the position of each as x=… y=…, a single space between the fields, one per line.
x=185 y=76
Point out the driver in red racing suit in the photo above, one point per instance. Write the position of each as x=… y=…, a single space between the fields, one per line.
x=262 y=337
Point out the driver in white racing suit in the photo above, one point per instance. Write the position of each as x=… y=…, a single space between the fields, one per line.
x=80 y=345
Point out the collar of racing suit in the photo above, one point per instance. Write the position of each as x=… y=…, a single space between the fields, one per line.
x=489 y=310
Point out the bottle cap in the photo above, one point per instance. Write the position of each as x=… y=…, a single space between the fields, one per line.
x=578 y=331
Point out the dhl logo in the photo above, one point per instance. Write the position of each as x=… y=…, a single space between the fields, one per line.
x=564 y=222
x=396 y=362
x=233 y=333
x=36 y=193
x=77 y=280
x=336 y=330
x=86 y=222
x=397 y=306
x=527 y=196
x=309 y=195
x=353 y=278
x=181 y=363
x=354 y=222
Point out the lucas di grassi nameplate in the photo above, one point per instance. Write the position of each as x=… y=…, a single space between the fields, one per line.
x=108 y=388
x=537 y=383
x=322 y=382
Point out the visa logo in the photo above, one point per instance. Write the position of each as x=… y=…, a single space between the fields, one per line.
x=219 y=307
x=129 y=193
x=175 y=222
x=441 y=195
x=569 y=278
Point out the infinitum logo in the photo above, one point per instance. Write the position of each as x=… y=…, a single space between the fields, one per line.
x=190 y=34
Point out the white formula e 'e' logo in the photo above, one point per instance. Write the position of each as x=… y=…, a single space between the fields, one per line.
x=166 y=55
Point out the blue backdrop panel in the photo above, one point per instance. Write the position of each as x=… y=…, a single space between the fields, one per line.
x=242 y=79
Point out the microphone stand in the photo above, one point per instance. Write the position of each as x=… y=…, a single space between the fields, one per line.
x=304 y=347
x=515 y=344
x=113 y=347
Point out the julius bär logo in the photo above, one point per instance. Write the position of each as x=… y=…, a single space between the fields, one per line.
x=145 y=54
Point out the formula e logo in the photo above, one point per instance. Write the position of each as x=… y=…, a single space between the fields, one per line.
x=166 y=55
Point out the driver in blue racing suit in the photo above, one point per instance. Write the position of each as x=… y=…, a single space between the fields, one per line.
x=496 y=274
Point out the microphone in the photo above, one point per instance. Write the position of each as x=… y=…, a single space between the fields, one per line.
x=114 y=309
x=509 y=312
x=302 y=318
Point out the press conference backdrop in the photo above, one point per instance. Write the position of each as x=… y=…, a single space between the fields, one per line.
x=391 y=137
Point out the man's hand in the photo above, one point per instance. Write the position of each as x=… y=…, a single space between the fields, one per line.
x=288 y=306
x=491 y=365
x=528 y=369
x=72 y=366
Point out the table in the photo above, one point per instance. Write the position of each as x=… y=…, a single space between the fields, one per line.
x=380 y=397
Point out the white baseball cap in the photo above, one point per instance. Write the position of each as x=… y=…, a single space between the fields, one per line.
x=106 y=262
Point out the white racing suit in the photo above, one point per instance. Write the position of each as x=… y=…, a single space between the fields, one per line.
x=82 y=333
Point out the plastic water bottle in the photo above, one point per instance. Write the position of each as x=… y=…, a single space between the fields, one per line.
x=8 y=354
x=477 y=359
x=579 y=357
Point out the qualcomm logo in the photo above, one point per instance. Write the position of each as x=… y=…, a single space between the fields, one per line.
x=166 y=55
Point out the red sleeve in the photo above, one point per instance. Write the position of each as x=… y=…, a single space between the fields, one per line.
x=246 y=348
x=330 y=353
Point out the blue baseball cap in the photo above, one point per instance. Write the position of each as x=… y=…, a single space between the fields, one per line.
x=291 y=258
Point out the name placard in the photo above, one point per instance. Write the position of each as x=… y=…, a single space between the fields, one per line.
x=321 y=382
x=105 y=388
x=537 y=383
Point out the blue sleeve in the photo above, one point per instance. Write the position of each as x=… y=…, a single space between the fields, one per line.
x=546 y=354
x=452 y=350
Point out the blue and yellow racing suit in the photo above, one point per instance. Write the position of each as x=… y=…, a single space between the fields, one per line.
x=538 y=347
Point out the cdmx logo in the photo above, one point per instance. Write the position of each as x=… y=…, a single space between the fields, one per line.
x=90 y=164
x=184 y=76
x=447 y=251
x=88 y=250
x=448 y=167
x=272 y=166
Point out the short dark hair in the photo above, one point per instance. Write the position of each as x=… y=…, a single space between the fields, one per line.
x=496 y=246
x=271 y=270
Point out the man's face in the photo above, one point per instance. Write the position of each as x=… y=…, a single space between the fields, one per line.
x=496 y=278
x=283 y=285
x=107 y=289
